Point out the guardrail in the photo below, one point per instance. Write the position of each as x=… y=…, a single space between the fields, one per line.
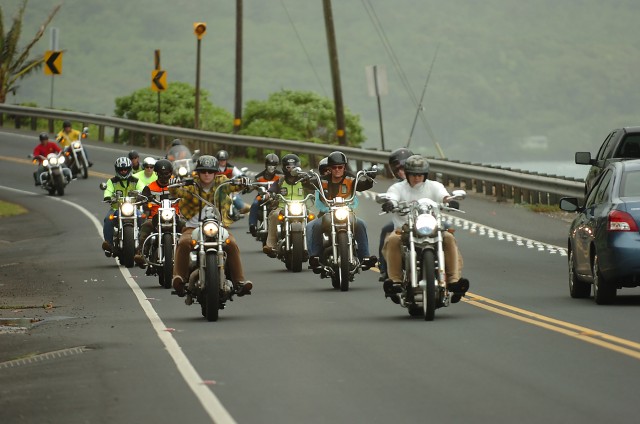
x=502 y=183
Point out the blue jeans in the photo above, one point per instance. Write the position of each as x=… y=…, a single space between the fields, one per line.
x=238 y=202
x=314 y=238
x=383 y=234
x=254 y=211
x=108 y=227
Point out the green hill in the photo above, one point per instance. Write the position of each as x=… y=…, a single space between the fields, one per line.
x=512 y=79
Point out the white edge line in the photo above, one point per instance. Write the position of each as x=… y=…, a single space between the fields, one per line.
x=210 y=402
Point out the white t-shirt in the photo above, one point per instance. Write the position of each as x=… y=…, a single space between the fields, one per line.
x=402 y=191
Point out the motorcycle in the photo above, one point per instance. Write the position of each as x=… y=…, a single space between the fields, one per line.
x=159 y=247
x=292 y=239
x=55 y=176
x=339 y=259
x=78 y=163
x=424 y=287
x=233 y=213
x=183 y=161
x=207 y=283
x=125 y=235
x=262 y=226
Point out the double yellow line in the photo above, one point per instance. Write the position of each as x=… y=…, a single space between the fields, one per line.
x=617 y=344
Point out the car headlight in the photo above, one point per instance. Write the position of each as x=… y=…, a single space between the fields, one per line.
x=127 y=209
x=167 y=215
x=426 y=224
x=341 y=214
x=182 y=171
x=76 y=145
x=210 y=229
x=295 y=208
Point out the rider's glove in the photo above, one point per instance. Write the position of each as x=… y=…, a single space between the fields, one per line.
x=173 y=181
x=243 y=181
x=388 y=206
x=188 y=181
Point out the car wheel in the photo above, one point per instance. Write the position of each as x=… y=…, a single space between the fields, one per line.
x=603 y=292
x=577 y=289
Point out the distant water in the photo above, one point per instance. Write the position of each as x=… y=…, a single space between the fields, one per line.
x=559 y=168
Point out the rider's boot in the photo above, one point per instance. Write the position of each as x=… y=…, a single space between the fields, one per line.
x=139 y=259
x=459 y=289
x=391 y=289
x=107 y=249
x=252 y=229
x=368 y=262
x=243 y=288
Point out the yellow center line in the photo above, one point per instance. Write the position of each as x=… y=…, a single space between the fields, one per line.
x=607 y=341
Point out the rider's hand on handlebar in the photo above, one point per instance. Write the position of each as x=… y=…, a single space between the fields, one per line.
x=242 y=181
x=388 y=206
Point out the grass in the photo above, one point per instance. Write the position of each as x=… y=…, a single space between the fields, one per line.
x=539 y=207
x=10 y=209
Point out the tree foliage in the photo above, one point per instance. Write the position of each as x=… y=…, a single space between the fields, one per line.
x=177 y=108
x=298 y=115
x=14 y=61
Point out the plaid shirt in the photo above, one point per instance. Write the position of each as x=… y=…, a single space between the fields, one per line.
x=191 y=206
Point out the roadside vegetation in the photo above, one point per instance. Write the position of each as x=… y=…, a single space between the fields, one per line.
x=10 y=209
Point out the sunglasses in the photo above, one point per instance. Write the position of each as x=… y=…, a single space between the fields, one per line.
x=149 y=166
x=207 y=172
x=337 y=166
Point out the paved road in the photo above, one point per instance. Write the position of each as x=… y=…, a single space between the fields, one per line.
x=517 y=349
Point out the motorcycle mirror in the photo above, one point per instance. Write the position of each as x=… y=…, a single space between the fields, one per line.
x=459 y=194
x=85 y=130
x=454 y=204
x=103 y=186
x=244 y=169
x=296 y=171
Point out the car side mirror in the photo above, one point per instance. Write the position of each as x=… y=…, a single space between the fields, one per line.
x=583 y=158
x=569 y=204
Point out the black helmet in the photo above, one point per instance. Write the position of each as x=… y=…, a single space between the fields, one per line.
x=44 y=136
x=222 y=155
x=288 y=162
x=322 y=165
x=416 y=165
x=176 y=142
x=164 y=169
x=133 y=154
x=397 y=158
x=336 y=158
x=66 y=124
x=123 y=167
x=207 y=163
x=271 y=160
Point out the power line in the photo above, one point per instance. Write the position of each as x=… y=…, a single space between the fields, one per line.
x=303 y=48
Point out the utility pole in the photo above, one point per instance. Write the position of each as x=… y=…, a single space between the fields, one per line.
x=335 y=73
x=199 y=29
x=237 y=117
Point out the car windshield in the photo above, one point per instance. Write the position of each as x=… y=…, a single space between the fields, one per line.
x=630 y=147
x=630 y=184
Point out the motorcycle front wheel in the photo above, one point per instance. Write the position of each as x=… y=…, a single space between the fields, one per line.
x=343 y=260
x=428 y=269
x=167 y=266
x=58 y=183
x=128 y=246
x=211 y=287
x=297 y=251
x=84 y=171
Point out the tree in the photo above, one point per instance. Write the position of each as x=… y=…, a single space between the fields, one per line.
x=299 y=115
x=177 y=108
x=15 y=62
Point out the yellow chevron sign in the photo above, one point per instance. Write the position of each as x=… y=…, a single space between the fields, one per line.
x=158 y=80
x=53 y=62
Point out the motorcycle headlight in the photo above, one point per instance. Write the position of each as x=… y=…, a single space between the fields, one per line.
x=341 y=214
x=295 y=209
x=45 y=162
x=60 y=160
x=426 y=224
x=210 y=229
x=127 y=209
x=167 y=215
x=182 y=171
x=53 y=161
x=76 y=145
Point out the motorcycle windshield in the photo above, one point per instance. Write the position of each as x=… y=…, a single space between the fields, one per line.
x=178 y=152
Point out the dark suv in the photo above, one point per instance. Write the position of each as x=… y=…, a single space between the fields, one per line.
x=620 y=144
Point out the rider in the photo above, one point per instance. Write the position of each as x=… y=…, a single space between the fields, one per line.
x=68 y=135
x=205 y=184
x=230 y=171
x=269 y=174
x=291 y=188
x=147 y=175
x=134 y=157
x=397 y=159
x=156 y=189
x=339 y=182
x=121 y=184
x=415 y=187
x=41 y=151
